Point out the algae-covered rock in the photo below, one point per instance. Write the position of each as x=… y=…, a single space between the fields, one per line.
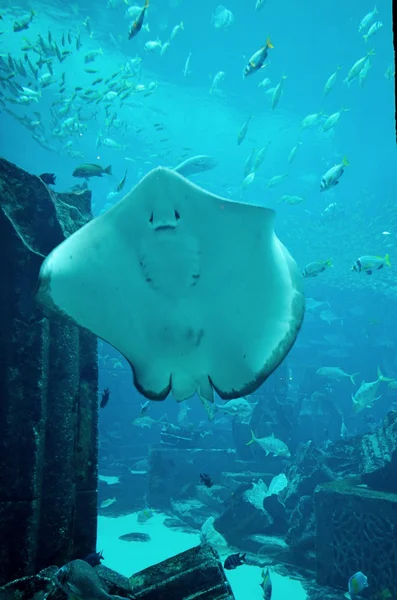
x=356 y=530
x=196 y=573
x=378 y=452
x=240 y=518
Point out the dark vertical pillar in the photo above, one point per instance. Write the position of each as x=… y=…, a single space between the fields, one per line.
x=48 y=390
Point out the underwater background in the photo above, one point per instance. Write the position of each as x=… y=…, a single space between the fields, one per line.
x=74 y=89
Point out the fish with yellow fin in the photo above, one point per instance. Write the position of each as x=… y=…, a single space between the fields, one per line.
x=256 y=61
x=368 y=264
x=137 y=24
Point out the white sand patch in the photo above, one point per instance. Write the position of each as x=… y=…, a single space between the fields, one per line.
x=130 y=557
x=246 y=580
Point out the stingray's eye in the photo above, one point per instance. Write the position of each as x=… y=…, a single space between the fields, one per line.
x=177 y=215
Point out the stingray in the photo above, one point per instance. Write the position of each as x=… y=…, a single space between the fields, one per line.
x=196 y=291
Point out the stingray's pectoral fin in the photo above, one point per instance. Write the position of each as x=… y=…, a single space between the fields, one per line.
x=155 y=386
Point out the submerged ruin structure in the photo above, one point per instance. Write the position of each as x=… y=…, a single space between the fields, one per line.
x=48 y=390
x=195 y=573
x=356 y=517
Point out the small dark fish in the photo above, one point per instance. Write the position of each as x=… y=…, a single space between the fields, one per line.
x=266 y=584
x=105 y=397
x=87 y=24
x=21 y=69
x=135 y=537
x=7 y=78
x=233 y=561
x=94 y=559
x=91 y=170
x=48 y=178
x=122 y=182
x=144 y=408
x=58 y=52
x=206 y=480
x=23 y=23
x=31 y=67
x=174 y=523
x=137 y=24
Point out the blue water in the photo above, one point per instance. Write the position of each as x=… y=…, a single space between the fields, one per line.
x=310 y=40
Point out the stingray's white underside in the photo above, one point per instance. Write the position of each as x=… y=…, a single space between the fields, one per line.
x=196 y=291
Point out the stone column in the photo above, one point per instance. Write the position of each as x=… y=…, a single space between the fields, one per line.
x=48 y=390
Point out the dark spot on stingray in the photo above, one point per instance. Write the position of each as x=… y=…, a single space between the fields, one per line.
x=151 y=219
x=178 y=216
x=135 y=537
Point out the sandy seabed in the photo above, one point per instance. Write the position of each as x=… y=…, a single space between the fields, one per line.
x=130 y=557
